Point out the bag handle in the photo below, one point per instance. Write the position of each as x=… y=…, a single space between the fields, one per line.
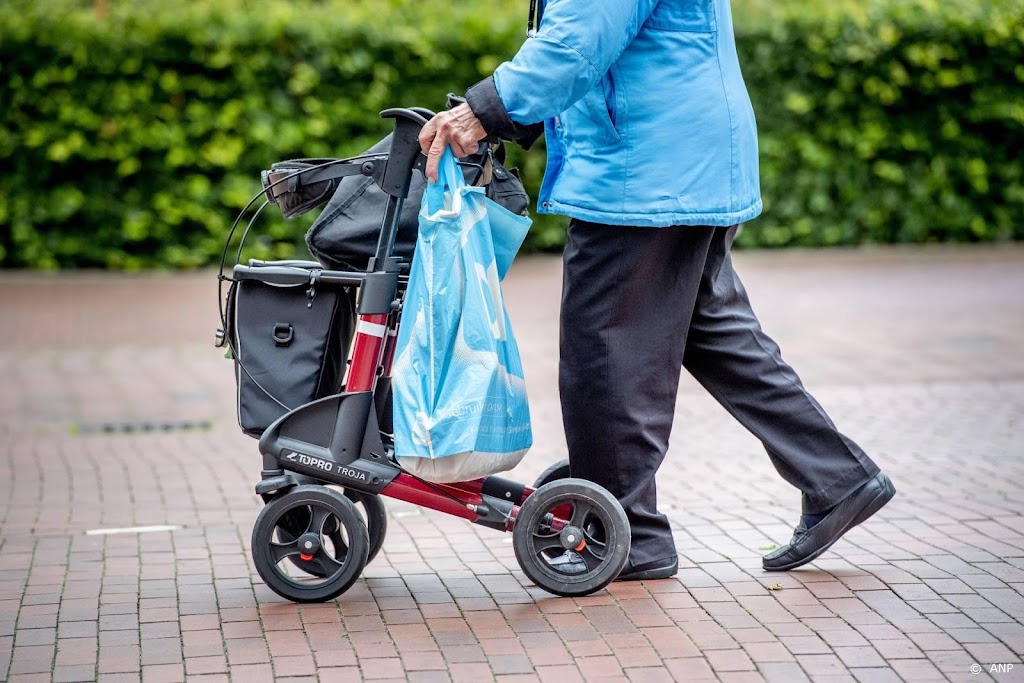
x=449 y=177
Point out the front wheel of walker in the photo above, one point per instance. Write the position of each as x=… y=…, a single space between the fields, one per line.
x=571 y=537
x=334 y=542
x=374 y=515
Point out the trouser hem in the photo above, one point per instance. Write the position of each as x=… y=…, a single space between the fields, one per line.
x=835 y=493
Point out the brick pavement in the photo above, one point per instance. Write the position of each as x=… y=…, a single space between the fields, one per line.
x=915 y=353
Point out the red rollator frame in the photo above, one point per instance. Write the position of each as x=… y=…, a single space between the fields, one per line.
x=310 y=542
x=372 y=356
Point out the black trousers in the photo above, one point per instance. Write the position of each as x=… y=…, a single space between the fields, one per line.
x=638 y=304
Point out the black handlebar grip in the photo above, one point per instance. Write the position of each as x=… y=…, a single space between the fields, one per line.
x=405 y=150
x=423 y=111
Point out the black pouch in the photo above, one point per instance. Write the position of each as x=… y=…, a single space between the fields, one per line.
x=305 y=197
x=344 y=235
x=289 y=338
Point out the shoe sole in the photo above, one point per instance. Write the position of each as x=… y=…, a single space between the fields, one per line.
x=650 y=574
x=876 y=504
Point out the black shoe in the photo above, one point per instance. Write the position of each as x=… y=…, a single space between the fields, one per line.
x=648 y=571
x=808 y=544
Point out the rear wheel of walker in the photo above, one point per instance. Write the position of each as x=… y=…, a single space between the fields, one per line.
x=333 y=544
x=374 y=515
x=560 y=470
x=571 y=537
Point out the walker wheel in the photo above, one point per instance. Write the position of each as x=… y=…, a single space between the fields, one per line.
x=560 y=470
x=334 y=544
x=571 y=537
x=374 y=515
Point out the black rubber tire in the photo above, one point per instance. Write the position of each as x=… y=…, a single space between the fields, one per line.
x=560 y=470
x=594 y=511
x=338 y=569
x=375 y=515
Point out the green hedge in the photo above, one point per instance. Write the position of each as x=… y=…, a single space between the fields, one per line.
x=130 y=140
x=898 y=121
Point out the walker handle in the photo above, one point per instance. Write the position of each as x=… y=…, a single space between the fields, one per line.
x=405 y=154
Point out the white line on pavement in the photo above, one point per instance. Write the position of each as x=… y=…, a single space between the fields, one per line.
x=131 y=530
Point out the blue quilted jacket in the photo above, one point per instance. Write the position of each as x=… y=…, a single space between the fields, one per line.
x=647 y=118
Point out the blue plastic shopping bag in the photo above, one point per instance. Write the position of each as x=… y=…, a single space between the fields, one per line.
x=460 y=407
x=508 y=230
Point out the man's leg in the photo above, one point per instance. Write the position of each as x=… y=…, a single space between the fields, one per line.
x=730 y=355
x=627 y=297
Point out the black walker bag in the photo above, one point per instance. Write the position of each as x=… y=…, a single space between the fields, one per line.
x=344 y=235
x=289 y=336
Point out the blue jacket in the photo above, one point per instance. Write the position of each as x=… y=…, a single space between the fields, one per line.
x=647 y=118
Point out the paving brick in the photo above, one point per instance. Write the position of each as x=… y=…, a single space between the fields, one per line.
x=118 y=678
x=74 y=674
x=116 y=659
x=559 y=674
x=949 y=661
x=161 y=651
x=598 y=666
x=971 y=635
x=932 y=641
x=163 y=673
x=301 y=665
x=35 y=636
x=335 y=658
x=470 y=672
x=76 y=651
x=206 y=665
x=29 y=659
x=377 y=668
x=340 y=674
x=124 y=637
x=77 y=629
x=917 y=670
x=821 y=665
x=729 y=660
x=250 y=673
x=654 y=674
x=427 y=677
x=637 y=657
x=767 y=652
x=247 y=651
x=860 y=657
x=805 y=645
x=879 y=674
x=782 y=672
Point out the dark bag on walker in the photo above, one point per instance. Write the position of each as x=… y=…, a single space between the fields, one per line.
x=344 y=235
x=289 y=336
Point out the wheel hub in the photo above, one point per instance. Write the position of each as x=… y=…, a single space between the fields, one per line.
x=571 y=538
x=309 y=545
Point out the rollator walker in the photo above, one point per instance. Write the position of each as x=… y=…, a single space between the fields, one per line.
x=328 y=462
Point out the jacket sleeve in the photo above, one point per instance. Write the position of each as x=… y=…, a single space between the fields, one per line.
x=487 y=107
x=577 y=44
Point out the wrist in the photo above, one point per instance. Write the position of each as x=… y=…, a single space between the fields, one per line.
x=487 y=106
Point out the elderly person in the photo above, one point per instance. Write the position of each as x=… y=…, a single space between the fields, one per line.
x=652 y=152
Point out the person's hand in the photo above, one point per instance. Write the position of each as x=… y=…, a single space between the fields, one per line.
x=458 y=128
